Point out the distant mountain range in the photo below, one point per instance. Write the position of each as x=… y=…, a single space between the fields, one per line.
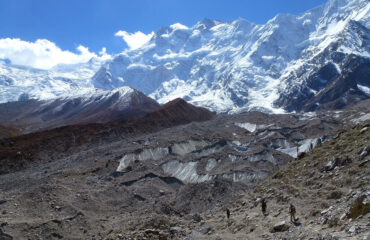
x=317 y=60
x=97 y=106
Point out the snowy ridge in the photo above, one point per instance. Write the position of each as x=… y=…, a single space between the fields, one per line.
x=91 y=106
x=237 y=66
x=227 y=67
x=21 y=83
x=95 y=96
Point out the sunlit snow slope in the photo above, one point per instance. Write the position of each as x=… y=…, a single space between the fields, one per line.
x=318 y=60
x=22 y=83
x=237 y=66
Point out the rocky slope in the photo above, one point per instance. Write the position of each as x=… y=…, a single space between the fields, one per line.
x=329 y=187
x=6 y=131
x=319 y=59
x=145 y=178
x=60 y=142
x=96 y=106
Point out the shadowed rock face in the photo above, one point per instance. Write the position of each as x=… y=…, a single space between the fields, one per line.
x=335 y=90
x=344 y=90
x=96 y=107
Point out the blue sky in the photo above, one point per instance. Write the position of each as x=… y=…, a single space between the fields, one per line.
x=93 y=23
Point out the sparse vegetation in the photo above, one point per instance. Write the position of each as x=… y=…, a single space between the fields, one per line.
x=359 y=209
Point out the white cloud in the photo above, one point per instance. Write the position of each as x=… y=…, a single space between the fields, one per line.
x=43 y=53
x=134 y=40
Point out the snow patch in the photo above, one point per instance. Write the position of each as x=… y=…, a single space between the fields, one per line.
x=146 y=154
x=303 y=146
x=364 y=89
x=363 y=118
x=186 y=172
x=251 y=127
x=186 y=147
x=211 y=164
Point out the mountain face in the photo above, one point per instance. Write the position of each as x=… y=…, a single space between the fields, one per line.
x=96 y=106
x=317 y=60
x=63 y=141
x=18 y=83
x=283 y=65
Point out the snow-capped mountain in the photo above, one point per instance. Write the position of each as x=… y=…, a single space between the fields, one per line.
x=21 y=83
x=93 y=106
x=238 y=66
x=319 y=59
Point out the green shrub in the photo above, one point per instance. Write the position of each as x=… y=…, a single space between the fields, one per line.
x=359 y=209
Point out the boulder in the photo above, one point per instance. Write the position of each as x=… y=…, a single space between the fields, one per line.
x=197 y=217
x=336 y=162
x=364 y=153
x=330 y=165
x=352 y=229
x=280 y=227
x=4 y=236
x=363 y=130
x=174 y=230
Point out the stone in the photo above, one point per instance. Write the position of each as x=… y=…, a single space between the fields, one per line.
x=277 y=214
x=206 y=229
x=352 y=229
x=329 y=166
x=364 y=153
x=363 y=163
x=363 y=130
x=4 y=236
x=197 y=217
x=152 y=231
x=336 y=162
x=163 y=236
x=280 y=227
x=326 y=210
x=174 y=230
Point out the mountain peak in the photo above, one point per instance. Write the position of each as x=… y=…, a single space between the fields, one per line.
x=206 y=23
x=97 y=106
x=178 y=110
x=227 y=66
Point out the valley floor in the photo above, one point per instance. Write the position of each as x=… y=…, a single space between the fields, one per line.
x=81 y=195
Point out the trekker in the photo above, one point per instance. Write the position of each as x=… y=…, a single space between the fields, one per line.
x=292 y=213
x=227 y=213
x=263 y=206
